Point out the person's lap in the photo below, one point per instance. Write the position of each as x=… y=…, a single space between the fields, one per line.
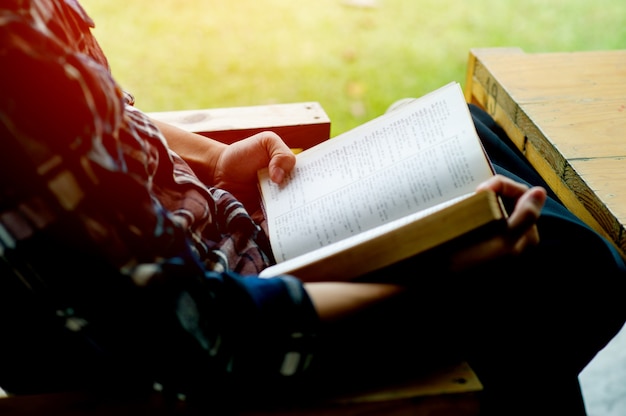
x=528 y=325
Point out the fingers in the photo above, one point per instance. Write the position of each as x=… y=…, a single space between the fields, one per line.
x=523 y=218
x=521 y=224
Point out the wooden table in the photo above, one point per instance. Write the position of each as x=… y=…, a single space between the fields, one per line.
x=567 y=113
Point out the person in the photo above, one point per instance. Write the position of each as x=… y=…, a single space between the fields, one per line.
x=130 y=253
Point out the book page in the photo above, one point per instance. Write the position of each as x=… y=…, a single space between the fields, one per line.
x=403 y=162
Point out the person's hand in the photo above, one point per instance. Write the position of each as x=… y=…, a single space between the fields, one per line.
x=521 y=231
x=237 y=166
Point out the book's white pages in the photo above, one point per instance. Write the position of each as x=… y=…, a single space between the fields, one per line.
x=421 y=155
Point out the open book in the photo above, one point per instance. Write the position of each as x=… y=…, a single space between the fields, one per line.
x=394 y=187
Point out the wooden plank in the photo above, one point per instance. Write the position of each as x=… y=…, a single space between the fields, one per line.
x=601 y=175
x=301 y=125
x=487 y=92
x=450 y=390
x=567 y=113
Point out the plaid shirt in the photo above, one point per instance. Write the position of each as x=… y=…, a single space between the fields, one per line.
x=112 y=232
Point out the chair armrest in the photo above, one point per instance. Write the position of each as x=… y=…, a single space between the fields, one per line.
x=301 y=125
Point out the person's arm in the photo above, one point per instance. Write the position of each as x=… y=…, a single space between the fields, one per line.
x=201 y=153
x=336 y=300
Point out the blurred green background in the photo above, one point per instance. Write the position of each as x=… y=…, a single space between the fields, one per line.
x=355 y=57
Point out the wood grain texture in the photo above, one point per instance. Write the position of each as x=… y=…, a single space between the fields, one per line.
x=566 y=112
x=301 y=125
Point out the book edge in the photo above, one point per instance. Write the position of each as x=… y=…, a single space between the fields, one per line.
x=333 y=267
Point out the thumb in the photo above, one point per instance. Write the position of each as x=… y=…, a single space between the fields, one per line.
x=281 y=158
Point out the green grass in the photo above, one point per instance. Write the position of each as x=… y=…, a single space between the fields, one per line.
x=174 y=54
